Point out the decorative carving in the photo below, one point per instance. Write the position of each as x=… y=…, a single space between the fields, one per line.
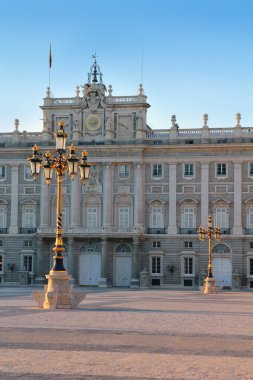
x=93 y=100
x=91 y=248
x=93 y=185
x=124 y=248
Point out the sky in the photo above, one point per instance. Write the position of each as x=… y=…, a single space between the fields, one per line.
x=193 y=57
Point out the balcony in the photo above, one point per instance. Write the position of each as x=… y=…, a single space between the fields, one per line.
x=156 y=231
x=27 y=230
x=3 y=230
x=187 y=231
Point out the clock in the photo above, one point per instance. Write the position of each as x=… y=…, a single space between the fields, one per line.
x=93 y=122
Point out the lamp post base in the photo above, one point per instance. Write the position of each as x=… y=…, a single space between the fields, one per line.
x=210 y=286
x=58 y=294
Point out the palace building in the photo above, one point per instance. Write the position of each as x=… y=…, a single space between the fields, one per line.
x=135 y=221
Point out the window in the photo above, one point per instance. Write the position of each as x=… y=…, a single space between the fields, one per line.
x=157 y=217
x=250 y=218
x=2 y=217
x=92 y=217
x=156 y=244
x=2 y=173
x=251 y=267
x=156 y=265
x=188 y=170
x=28 y=217
x=157 y=170
x=27 y=173
x=188 y=265
x=221 y=217
x=221 y=169
x=1 y=243
x=250 y=169
x=123 y=171
x=188 y=218
x=1 y=263
x=29 y=190
x=188 y=244
x=123 y=217
x=28 y=243
x=251 y=244
x=27 y=263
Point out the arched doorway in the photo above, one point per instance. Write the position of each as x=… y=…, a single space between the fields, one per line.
x=123 y=265
x=222 y=265
x=90 y=264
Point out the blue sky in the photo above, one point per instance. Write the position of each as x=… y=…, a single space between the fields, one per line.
x=197 y=56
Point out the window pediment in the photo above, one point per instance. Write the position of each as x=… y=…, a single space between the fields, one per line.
x=188 y=201
x=156 y=203
x=28 y=202
x=221 y=201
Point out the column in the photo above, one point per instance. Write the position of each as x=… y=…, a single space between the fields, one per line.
x=13 y=229
x=103 y=279
x=237 y=230
x=139 y=196
x=172 y=227
x=44 y=203
x=75 y=203
x=135 y=281
x=107 y=197
x=204 y=193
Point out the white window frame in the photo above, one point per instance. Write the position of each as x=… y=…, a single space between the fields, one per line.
x=156 y=244
x=188 y=255
x=124 y=217
x=250 y=217
x=92 y=217
x=249 y=259
x=188 y=244
x=26 y=222
x=155 y=257
x=250 y=166
x=221 y=216
x=124 y=174
x=155 y=215
x=185 y=222
x=28 y=243
x=188 y=176
x=27 y=255
x=217 y=167
x=3 y=178
x=27 y=177
x=3 y=210
x=156 y=176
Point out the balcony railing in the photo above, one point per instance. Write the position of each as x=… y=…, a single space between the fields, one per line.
x=3 y=230
x=187 y=231
x=156 y=231
x=27 y=230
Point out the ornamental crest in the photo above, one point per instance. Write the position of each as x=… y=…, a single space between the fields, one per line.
x=93 y=185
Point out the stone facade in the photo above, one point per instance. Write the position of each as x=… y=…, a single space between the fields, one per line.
x=135 y=221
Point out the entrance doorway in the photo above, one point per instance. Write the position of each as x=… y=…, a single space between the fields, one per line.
x=123 y=271
x=90 y=269
x=222 y=265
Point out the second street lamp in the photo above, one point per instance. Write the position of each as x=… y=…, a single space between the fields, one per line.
x=58 y=293
x=211 y=233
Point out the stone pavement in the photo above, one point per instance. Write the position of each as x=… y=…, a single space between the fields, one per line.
x=128 y=334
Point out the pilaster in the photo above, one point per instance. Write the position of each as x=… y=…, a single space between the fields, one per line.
x=103 y=279
x=13 y=229
x=139 y=196
x=172 y=227
x=204 y=193
x=75 y=203
x=237 y=229
x=135 y=281
x=107 y=197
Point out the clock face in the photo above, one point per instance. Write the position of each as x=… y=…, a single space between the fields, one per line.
x=93 y=122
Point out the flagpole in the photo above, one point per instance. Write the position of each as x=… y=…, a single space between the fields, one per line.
x=50 y=65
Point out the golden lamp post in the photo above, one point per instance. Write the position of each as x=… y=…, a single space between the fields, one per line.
x=211 y=233
x=58 y=293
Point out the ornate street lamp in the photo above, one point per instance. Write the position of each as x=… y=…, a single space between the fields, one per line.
x=211 y=233
x=58 y=293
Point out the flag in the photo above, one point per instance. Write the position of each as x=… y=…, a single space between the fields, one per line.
x=50 y=57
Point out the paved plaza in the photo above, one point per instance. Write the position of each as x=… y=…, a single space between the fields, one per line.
x=128 y=334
